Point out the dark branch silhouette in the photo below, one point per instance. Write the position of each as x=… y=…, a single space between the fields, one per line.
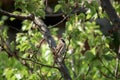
x=47 y=36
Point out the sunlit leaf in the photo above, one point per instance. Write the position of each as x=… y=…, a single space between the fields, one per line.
x=57 y=8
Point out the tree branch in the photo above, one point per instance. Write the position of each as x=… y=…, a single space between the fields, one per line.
x=28 y=59
x=52 y=44
x=107 y=6
x=50 y=40
x=29 y=17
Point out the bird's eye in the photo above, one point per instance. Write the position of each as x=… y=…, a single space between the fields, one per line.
x=63 y=40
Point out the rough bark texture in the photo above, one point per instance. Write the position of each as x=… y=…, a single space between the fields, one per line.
x=107 y=6
x=50 y=40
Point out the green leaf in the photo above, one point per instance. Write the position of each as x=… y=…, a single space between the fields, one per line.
x=12 y=18
x=81 y=16
x=89 y=56
x=108 y=57
x=57 y=8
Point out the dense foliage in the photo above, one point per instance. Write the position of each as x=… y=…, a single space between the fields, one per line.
x=90 y=53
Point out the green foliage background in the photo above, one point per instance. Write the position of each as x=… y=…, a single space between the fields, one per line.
x=97 y=63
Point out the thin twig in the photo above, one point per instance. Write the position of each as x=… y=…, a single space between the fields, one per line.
x=5 y=46
x=38 y=48
x=117 y=67
x=59 y=22
x=75 y=10
x=16 y=29
x=28 y=59
x=89 y=68
x=106 y=67
x=29 y=17
x=47 y=36
x=105 y=75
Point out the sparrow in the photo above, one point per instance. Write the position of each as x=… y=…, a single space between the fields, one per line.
x=61 y=47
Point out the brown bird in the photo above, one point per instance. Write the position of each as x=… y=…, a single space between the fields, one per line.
x=61 y=47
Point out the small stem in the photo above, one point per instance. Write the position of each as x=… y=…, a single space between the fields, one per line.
x=38 y=62
x=117 y=68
